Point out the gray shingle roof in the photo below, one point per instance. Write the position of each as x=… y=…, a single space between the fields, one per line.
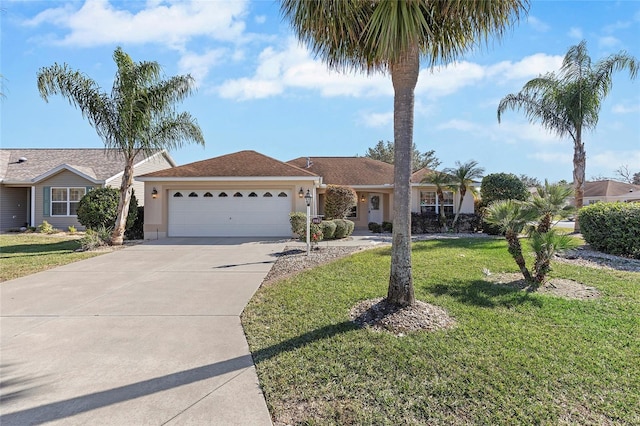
x=100 y=164
x=610 y=188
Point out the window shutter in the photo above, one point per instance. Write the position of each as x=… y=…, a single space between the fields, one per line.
x=88 y=188
x=46 y=201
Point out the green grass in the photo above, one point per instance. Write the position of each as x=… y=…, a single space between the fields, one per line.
x=24 y=254
x=513 y=358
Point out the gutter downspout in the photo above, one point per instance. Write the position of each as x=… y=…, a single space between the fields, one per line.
x=33 y=206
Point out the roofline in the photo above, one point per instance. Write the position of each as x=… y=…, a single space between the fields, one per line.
x=67 y=167
x=226 y=178
x=164 y=151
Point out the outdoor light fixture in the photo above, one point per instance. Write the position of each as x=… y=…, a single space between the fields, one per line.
x=308 y=198
x=362 y=199
x=154 y=193
x=300 y=193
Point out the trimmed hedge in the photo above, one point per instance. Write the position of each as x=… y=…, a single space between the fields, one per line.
x=328 y=229
x=612 y=228
x=424 y=223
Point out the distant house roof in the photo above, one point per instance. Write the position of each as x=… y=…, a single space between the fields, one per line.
x=239 y=164
x=610 y=188
x=26 y=166
x=355 y=171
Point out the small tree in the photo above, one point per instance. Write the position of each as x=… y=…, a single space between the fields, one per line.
x=99 y=209
x=551 y=202
x=442 y=181
x=502 y=186
x=384 y=151
x=462 y=176
x=339 y=200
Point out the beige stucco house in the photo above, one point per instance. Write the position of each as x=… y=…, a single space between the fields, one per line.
x=250 y=194
x=610 y=191
x=46 y=184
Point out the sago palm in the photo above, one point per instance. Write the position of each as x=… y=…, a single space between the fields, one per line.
x=463 y=177
x=392 y=37
x=137 y=117
x=550 y=202
x=569 y=102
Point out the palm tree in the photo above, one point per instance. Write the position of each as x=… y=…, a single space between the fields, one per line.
x=511 y=216
x=551 y=201
x=569 y=102
x=463 y=176
x=138 y=117
x=442 y=181
x=392 y=36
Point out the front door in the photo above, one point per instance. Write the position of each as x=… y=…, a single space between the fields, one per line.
x=375 y=208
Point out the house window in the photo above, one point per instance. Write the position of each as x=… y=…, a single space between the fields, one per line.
x=267 y=194
x=177 y=194
x=430 y=204
x=64 y=201
x=207 y=195
x=237 y=194
x=222 y=194
x=354 y=212
x=253 y=194
x=282 y=194
x=193 y=194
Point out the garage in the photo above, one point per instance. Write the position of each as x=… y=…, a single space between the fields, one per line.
x=229 y=213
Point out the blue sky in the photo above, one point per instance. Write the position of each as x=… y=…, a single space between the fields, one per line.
x=259 y=89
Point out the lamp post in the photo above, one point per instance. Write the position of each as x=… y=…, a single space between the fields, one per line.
x=307 y=198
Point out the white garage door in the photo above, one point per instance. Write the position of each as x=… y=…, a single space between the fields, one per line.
x=229 y=213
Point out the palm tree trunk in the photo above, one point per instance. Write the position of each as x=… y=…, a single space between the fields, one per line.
x=515 y=249
x=404 y=76
x=455 y=219
x=579 y=166
x=117 y=236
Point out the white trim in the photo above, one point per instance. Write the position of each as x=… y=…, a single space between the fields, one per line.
x=69 y=168
x=32 y=220
x=68 y=201
x=120 y=174
x=230 y=179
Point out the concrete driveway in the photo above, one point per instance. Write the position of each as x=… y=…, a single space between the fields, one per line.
x=146 y=335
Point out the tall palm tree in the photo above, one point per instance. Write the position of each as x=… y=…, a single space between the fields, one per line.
x=393 y=36
x=569 y=102
x=138 y=117
x=442 y=181
x=463 y=177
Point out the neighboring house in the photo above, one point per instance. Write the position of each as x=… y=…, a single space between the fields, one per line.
x=249 y=194
x=46 y=184
x=610 y=191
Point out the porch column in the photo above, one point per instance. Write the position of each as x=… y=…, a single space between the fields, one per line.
x=32 y=207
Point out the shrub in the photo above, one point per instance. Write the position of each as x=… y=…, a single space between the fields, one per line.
x=500 y=186
x=99 y=208
x=342 y=228
x=339 y=200
x=387 y=226
x=328 y=228
x=350 y=226
x=298 y=221
x=95 y=238
x=612 y=228
x=314 y=229
x=72 y=229
x=374 y=227
x=136 y=232
x=46 y=228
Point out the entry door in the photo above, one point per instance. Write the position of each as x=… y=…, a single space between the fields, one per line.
x=375 y=208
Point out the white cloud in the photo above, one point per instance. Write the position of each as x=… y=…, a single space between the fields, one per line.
x=377 y=119
x=527 y=67
x=260 y=19
x=519 y=133
x=553 y=157
x=199 y=65
x=611 y=160
x=538 y=25
x=449 y=79
x=576 y=33
x=625 y=109
x=608 y=42
x=98 y=22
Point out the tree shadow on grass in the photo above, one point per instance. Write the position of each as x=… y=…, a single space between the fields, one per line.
x=486 y=295
x=38 y=249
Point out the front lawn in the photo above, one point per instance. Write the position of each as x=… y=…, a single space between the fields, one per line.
x=512 y=358
x=24 y=254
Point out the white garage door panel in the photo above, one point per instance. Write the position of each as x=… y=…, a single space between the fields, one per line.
x=229 y=216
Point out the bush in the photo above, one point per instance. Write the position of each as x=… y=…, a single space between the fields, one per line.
x=339 y=200
x=298 y=223
x=612 y=228
x=342 y=228
x=98 y=209
x=95 y=238
x=328 y=228
x=46 y=228
x=374 y=227
x=387 y=226
x=136 y=232
x=72 y=229
x=314 y=229
x=500 y=186
x=350 y=226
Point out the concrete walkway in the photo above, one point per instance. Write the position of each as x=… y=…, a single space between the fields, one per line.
x=146 y=335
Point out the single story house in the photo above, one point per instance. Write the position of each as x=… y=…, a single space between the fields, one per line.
x=610 y=191
x=250 y=194
x=46 y=184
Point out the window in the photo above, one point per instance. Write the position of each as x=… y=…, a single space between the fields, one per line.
x=430 y=204
x=282 y=194
x=354 y=212
x=207 y=195
x=177 y=194
x=64 y=201
x=253 y=194
x=237 y=194
x=222 y=194
x=193 y=194
x=267 y=194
